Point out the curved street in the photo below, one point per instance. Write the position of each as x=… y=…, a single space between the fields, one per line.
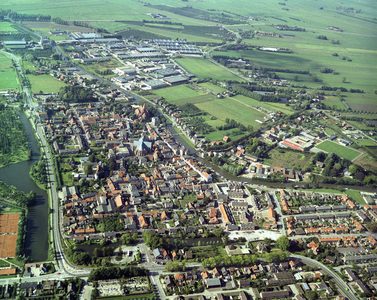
x=343 y=287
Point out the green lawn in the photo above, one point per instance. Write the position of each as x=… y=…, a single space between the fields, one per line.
x=175 y=93
x=5 y=26
x=99 y=67
x=339 y=150
x=8 y=75
x=184 y=137
x=355 y=195
x=219 y=134
x=212 y=87
x=204 y=68
x=45 y=83
x=227 y=108
x=269 y=106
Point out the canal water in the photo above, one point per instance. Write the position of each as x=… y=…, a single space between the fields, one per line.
x=36 y=248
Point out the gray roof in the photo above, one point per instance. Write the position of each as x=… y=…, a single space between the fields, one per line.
x=213 y=282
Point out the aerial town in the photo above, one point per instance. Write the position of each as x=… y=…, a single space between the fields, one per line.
x=184 y=151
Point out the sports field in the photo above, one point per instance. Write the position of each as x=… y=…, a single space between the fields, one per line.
x=7 y=74
x=205 y=69
x=342 y=151
x=45 y=83
x=8 y=229
x=227 y=108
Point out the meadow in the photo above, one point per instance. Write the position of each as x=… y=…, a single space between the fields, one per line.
x=100 y=67
x=45 y=83
x=212 y=87
x=205 y=69
x=175 y=93
x=339 y=150
x=217 y=109
x=288 y=159
x=227 y=108
x=5 y=26
x=8 y=74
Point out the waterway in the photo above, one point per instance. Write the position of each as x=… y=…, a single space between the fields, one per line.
x=36 y=248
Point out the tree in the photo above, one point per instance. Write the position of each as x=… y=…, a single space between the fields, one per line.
x=372 y=226
x=312 y=295
x=344 y=79
x=295 y=78
x=360 y=175
x=283 y=243
x=88 y=169
x=169 y=266
x=218 y=232
x=353 y=169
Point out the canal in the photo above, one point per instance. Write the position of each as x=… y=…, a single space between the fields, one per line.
x=36 y=247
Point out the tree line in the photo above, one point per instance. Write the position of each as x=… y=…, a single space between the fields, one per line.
x=13 y=140
x=263 y=98
x=38 y=172
x=60 y=21
x=116 y=272
x=21 y=234
x=29 y=17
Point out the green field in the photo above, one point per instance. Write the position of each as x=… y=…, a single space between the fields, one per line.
x=227 y=108
x=267 y=105
x=175 y=93
x=45 y=83
x=8 y=75
x=355 y=195
x=204 y=68
x=212 y=87
x=99 y=67
x=339 y=150
x=5 y=26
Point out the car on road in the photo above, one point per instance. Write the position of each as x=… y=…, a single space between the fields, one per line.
x=58 y=273
x=52 y=183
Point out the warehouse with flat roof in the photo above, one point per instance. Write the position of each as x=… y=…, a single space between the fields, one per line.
x=154 y=84
x=175 y=79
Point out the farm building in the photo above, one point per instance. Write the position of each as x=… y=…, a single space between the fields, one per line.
x=344 y=142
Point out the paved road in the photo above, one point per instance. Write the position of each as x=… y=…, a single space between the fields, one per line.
x=340 y=283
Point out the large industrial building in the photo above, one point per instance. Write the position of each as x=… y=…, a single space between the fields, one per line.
x=299 y=142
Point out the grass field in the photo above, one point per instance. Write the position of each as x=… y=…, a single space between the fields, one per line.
x=212 y=87
x=339 y=150
x=288 y=159
x=355 y=195
x=333 y=101
x=227 y=108
x=45 y=83
x=175 y=93
x=203 y=69
x=267 y=105
x=5 y=26
x=103 y=66
x=8 y=75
